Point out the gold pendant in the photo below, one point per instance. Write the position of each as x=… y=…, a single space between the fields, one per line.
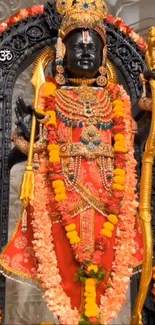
x=86 y=94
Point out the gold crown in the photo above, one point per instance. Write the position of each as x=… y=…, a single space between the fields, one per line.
x=87 y=14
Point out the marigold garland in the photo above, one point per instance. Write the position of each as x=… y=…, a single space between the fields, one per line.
x=115 y=295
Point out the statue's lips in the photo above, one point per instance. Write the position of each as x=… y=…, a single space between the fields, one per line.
x=85 y=61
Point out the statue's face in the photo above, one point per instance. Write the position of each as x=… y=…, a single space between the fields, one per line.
x=84 y=51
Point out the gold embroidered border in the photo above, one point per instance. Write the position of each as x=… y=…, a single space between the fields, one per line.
x=4 y=267
x=90 y=198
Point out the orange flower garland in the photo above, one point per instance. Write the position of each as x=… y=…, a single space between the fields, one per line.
x=117 y=22
x=115 y=295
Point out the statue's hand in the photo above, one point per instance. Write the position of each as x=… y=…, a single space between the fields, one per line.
x=149 y=74
x=24 y=118
x=24 y=115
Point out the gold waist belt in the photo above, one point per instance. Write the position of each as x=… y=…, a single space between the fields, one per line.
x=89 y=151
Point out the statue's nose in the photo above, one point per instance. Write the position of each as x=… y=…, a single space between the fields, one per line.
x=86 y=50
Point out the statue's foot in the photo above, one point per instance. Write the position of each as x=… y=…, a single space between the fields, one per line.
x=136 y=319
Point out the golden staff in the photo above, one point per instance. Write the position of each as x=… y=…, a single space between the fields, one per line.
x=38 y=79
x=145 y=194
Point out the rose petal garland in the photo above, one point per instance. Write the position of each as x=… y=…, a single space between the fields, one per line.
x=117 y=22
x=48 y=273
x=20 y=15
x=115 y=295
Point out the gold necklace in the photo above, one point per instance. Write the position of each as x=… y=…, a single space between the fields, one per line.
x=82 y=81
x=85 y=104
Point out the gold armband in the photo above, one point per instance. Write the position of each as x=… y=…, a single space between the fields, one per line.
x=23 y=145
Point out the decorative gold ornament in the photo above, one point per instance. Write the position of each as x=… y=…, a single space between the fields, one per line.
x=145 y=195
x=38 y=79
x=82 y=81
x=111 y=72
x=60 y=79
x=101 y=81
x=104 y=57
x=60 y=53
x=60 y=69
x=86 y=14
x=102 y=70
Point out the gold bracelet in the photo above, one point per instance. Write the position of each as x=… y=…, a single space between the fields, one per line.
x=23 y=145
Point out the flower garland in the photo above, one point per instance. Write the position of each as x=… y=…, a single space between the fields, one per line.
x=20 y=15
x=117 y=22
x=115 y=295
x=48 y=273
x=121 y=25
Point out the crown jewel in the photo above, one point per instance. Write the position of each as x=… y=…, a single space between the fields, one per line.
x=87 y=14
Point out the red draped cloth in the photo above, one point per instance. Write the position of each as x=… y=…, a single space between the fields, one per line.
x=18 y=258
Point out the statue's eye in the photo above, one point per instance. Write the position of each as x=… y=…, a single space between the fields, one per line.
x=93 y=47
x=77 y=46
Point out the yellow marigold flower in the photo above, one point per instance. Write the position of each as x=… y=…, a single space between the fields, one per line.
x=109 y=226
x=92 y=313
x=119 y=144
x=58 y=183
x=118 y=102
x=118 y=187
x=92 y=267
x=113 y=218
x=89 y=300
x=70 y=227
x=90 y=281
x=120 y=149
x=54 y=153
x=119 y=180
x=119 y=172
x=118 y=109
x=60 y=197
x=53 y=147
x=51 y=113
x=118 y=114
x=40 y=111
x=88 y=294
x=106 y=233
x=92 y=305
x=54 y=159
x=60 y=190
x=49 y=89
x=119 y=137
x=75 y=241
x=90 y=289
x=51 y=121
x=72 y=234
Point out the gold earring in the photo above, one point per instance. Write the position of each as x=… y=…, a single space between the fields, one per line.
x=102 y=79
x=60 y=53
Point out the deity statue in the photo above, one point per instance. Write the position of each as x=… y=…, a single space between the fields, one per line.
x=79 y=227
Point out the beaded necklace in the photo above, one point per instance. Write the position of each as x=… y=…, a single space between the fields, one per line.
x=74 y=107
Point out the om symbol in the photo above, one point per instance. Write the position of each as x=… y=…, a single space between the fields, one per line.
x=6 y=55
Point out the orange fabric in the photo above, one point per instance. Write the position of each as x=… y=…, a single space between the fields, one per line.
x=22 y=258
x=18 y=256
